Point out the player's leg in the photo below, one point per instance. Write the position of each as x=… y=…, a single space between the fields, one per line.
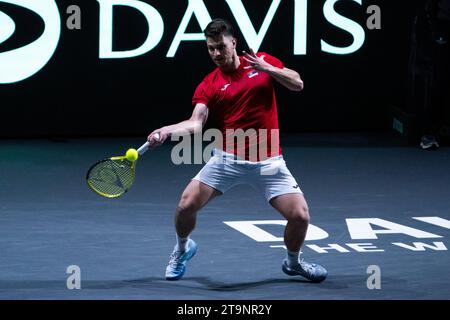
x=195 y=196
x=282 y=191
x=217 y=176
x=294 y=209
x=284 y=194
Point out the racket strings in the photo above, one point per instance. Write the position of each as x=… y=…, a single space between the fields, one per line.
x=111 y=177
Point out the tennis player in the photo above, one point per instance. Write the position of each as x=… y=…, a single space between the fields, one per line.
x=239 y=94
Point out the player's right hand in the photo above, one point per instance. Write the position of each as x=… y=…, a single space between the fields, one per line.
x=157 y=138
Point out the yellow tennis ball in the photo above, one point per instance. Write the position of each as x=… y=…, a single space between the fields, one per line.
x=132 y=155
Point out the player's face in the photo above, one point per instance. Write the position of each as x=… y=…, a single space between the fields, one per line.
x=222 y=50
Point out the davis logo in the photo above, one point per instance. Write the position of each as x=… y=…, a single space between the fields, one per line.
x=21 y=63
x=367 y=229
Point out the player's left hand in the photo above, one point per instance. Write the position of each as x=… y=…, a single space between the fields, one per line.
x=256 y=62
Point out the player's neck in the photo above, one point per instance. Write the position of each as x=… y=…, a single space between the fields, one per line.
x=233 y=65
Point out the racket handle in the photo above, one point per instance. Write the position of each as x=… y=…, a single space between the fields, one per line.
x=142 y=149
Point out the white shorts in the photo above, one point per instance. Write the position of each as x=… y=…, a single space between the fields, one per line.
x=271 y=177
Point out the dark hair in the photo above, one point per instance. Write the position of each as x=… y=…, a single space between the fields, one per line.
x=218 y=27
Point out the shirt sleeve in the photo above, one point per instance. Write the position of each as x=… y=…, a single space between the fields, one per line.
x=271 y=60
x=201 y=94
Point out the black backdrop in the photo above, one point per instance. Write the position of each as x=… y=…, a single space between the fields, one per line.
x=77 y=94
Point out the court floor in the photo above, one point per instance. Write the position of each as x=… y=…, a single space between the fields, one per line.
x=380 y=214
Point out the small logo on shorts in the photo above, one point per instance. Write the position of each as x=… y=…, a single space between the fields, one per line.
x=295 y=187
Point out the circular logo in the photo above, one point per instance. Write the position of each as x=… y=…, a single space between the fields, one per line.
x=21 y=63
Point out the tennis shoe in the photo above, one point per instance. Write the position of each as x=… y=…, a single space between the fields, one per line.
x=310 y=271
x=178 y=259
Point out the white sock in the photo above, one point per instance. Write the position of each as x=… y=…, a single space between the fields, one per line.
x=292 y=258
x=182 y=242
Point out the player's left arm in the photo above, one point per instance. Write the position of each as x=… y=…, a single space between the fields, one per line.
x=287 y=77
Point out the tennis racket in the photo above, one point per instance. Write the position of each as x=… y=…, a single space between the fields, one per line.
x=114 y=176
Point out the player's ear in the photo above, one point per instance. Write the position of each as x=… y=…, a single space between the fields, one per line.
x=234 y=41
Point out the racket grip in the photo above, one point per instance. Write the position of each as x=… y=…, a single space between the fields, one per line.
x=142 y=149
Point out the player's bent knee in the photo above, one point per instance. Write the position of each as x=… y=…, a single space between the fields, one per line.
x=186 y=206
x=299 y=216
x=185 y=210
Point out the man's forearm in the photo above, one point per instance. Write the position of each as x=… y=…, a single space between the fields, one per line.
x=287 y=77
x=184 y=128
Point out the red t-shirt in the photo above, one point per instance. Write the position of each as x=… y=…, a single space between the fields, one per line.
x=243 y=99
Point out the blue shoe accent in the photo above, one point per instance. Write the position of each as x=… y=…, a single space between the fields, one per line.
x=177 y=264
x=310 y=271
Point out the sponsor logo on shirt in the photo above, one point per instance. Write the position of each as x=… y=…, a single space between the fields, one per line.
x=225 y=87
